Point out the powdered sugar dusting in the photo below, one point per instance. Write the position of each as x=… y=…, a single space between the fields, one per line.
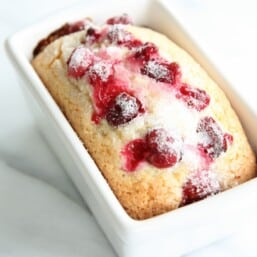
x=117 y=34
x=145 y=52
x=81 y=56
x=127 y=107
x=199 y=185
x=191 y=156
x=204 y=138
x=166 y=141
x=211 y=137
x=101 y=69
x=156 y=70
x=165 y=148
x=194 y=97
x=205 y=184
x=79 y=62
x=124 y=108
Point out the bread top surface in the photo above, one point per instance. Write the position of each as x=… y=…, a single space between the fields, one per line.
x=190 y=146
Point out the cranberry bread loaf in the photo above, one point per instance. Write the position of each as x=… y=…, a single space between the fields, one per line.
x=160 y=130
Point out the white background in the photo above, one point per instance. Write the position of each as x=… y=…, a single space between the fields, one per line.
x=41 y=213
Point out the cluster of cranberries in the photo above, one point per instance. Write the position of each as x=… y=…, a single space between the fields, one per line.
x=212 y=143
x=107 y=89
x=115 y=102
x=112 y=99
x=155 y=67
x=158 y=148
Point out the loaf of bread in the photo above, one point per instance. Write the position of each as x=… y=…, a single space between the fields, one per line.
x=161 y=131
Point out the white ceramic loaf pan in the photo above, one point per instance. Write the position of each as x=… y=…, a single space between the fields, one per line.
x=171 y=234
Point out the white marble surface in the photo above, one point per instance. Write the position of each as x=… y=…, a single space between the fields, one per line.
x=41 y=213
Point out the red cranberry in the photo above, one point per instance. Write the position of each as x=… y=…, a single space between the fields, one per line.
x=146 y=51
x=163 y=150
x=118 y=35
x=79 y=62
x=132 y=43
x=134 y=153
x=162 y=71
x=104 y=94
x=123 y=19
x=158 y=148
x=92 y=36
x=123 y=109
x=194 y=97
x=100 y=72
x=212 y=140
x=199 y=185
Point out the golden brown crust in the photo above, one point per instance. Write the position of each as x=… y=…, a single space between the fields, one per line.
x=149 y=191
